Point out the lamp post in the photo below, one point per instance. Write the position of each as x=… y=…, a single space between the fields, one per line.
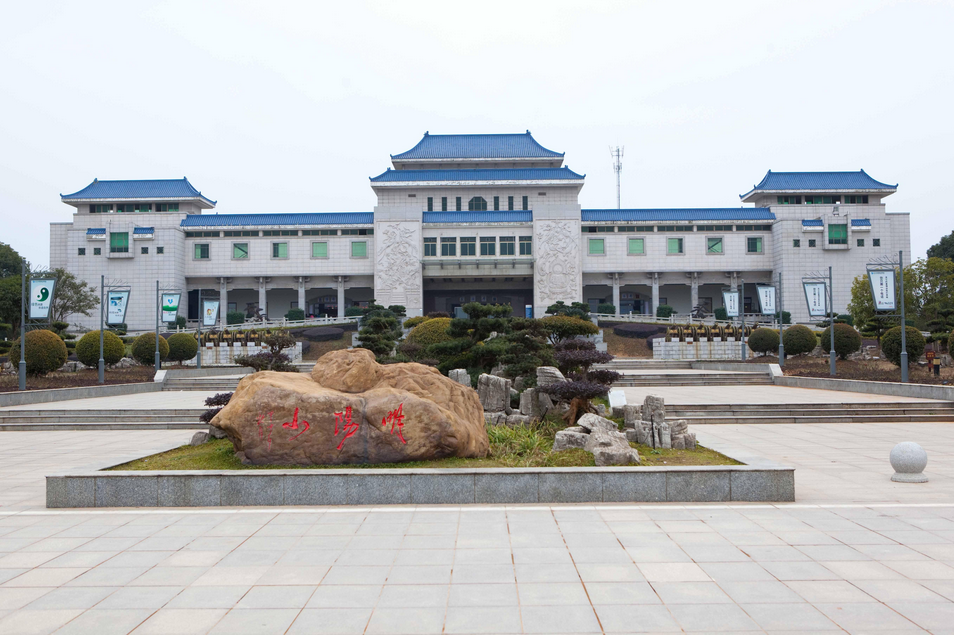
x=102 y=319
x=742 y=315
x=831 y=325
x=781 y=324
x=904 y=324
x=198 y=353
x=158 y=313
x=22 y=366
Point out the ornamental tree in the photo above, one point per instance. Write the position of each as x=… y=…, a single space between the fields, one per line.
x=575 y=359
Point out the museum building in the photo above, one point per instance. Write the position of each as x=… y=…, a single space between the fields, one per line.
x=489 y=218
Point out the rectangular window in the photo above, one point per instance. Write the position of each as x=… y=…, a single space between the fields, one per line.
x=280 y=232
x=838 y=234
x=97 y=251
x=714 y=228
x=239 y=251
x=458 y=203
x=811 y=242
x=526 y=245
x=319 y=250
x=714 y=246
x=875 y=242
x=443 y=203
x=124 y=209
x=118 y=242
x=861 y=242
x=359 y=249
x=626 y=228
x=202 y=234
x=526 y=202
x=100 y=209
x=496 y=203
x=856 y=200
x=753 y=244
x=201 y=251
x=81 y=251
x=597 y=247
x=674 y=228
x=144 y=250
x=789 y=200
x=468 y=246
x=448 y=246
x=674 y=245
x=822 y=200
x=430 y=203
x=160 y=250
x=645 y=228
x=279 y=250
x=430 y=247
x=509 y=203
x=796 y=242
x=147 y=207
x=507 y=245
x=237 y=233
x=164 y=207
x=488 y=246
x=637 y=246
x=753 y=228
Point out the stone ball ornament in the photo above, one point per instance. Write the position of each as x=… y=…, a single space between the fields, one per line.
x=908 y=460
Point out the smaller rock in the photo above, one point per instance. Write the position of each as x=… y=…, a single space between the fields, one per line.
x=199 y=438
x=544 y=404
x=216 y=433
x=593 y=422
x=567 y=440
x=520 y=383
x=461 y=376
x=632 y=435
x=494 y=392
x=495 y=418
x=601 y=410
x=547 y=375
x=644 y=433
x=631 y=414
x=610 y=448
x=679 y=442
x=665 y=436
x=514 y=395
x=579 y=429
x=690 y=439
x=517 y=420
x=527 y=398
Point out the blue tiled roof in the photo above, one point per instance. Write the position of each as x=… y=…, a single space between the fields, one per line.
x=818 y=182
x=860 y=222
x=137 y=190
x=813 y=222
x=143 y=230
x=96 y=231
x=479 y=217
x=477 y=146
x=503 y=174
x=249 y=220
x=687 y=214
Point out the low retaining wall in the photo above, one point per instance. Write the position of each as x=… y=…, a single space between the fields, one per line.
x=761 y=483
x=894 y=389
x=702 y=349
x=769 y=369
x=224 y=354
x=82 y=392
x=175 y=372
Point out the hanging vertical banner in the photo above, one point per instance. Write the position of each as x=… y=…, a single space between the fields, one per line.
x=41 y=298
x=767 y=300
x=170 y=306
x=116 y=304
x=816 y=294
x=210 y=312
x=731 y=301
x=882 y=289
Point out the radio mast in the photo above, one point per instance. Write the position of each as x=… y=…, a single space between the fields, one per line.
x=617 y=154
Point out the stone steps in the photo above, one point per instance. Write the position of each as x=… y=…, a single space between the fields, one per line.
x=899 y=412
x=721 y=379
x=892 y=418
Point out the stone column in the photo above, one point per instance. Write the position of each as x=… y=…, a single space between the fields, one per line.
x=262 y=296
x=301 y=295
x=695 y=289
x=733 y=281
x=341 y=296
x=616 y=292
x=223 y=301
x=655 y=277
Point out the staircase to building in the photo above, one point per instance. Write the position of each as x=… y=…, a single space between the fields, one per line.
x=871 y=412
x=112 y=419
x=219 y=383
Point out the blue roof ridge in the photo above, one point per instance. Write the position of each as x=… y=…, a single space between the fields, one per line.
x=502 y=174
x=513 y=154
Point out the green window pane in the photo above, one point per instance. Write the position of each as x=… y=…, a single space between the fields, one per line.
x=319 y=250
x=636 y=246
x=674 y=245
x=754 y=245
x=240 y=251
x=119 y=242
x=714 y=245
x=359 y=249
x=596 y=247
x=201 y=251
x=838 y=234
x=526 y=248
x=279 y=250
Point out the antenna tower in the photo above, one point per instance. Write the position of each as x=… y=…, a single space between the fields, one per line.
x=617 y=154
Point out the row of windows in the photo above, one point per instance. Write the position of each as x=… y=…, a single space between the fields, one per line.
x=234 y=233
x=850 y=199
x=600 y=229
x=133 y=207
x=875 y=242
x=488 y=246
x=240 y=251
x=715 y=245
x=476 y=203
x=98 y=251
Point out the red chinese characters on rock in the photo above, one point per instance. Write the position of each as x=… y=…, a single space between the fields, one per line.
x=293 y=425
x=349 y=427
x=264 y=430
x=266 y=424
x=396 y=419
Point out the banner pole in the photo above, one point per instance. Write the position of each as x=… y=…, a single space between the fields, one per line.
x=102 y=317
x=781 y=324
x=158 y=309
x=831 y=322
x=23 y=300
x=904 y=324
x=742 y=314
x=198 y=354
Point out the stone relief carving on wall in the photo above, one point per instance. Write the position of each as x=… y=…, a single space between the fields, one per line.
x=397 y=268
x=557 y=267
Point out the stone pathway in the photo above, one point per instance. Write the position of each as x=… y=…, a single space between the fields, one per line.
x=165 y=400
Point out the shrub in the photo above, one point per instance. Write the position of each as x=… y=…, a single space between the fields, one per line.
x=118 y=329
x=799 y=339
x=59 y=327
x=606 y=307
x=437 y=314
x=763 y=341
x=180 y=321
x=45 y=352
x=891 y=345
x=397 y=309
x=232 y=317
x=433 y=331
x=664 y=311
x=786 y=317
x=721 y=314
x=87 y=349
x=323 y=334
x=295 y=315
x=847 y=340
x=267 y=360
x=144 y=349
x=353 y=311
x=414 y=321
x=182 y=347
x=575 y=309
x=843 y=318
x=638 y=330
x=564 y=327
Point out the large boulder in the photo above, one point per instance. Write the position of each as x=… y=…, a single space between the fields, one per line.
x=353 y=410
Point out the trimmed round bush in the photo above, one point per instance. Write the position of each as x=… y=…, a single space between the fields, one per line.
x=182 y=347
x=847 y=340
x=721 y=314
x=433 y=331
x=638 y=330
x=144 y=349
x=763 y=341
x=414 y=321
x=87 y=349
x=235 y=317
x=45 y=352
x=891 y=345
x=295 y=315
x=606 y=307
x=323 y=334
x=664 y=311
x=799 y=339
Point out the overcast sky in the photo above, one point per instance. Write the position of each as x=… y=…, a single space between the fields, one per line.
x=291 y=106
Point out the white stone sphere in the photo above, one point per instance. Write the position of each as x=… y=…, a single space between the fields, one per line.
x=908 y=460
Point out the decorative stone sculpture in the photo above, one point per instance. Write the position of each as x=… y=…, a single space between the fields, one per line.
x=461 y=376
x=653 y=430
x=547 y=375
x=353 y=410
x=494 y=393
x=908 y=460
x=601 y=438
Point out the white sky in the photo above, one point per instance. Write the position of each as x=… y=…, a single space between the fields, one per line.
x=291 y=106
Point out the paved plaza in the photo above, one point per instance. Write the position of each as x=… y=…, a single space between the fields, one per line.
x=682 y=395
